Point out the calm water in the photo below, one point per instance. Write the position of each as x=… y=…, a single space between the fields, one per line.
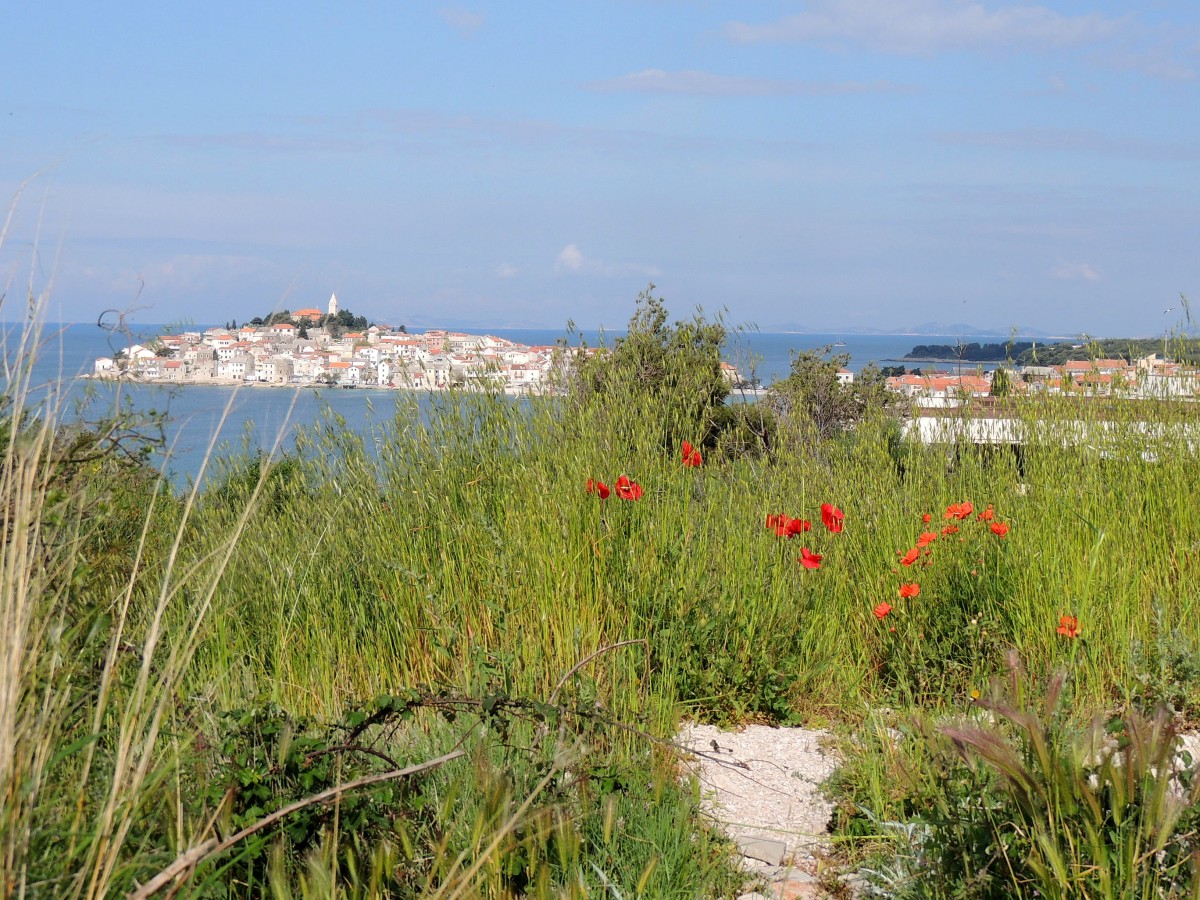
x=257 y=414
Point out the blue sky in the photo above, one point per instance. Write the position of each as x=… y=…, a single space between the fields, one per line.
x=831 y=163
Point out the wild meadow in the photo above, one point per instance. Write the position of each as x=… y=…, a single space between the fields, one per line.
x=447 y=657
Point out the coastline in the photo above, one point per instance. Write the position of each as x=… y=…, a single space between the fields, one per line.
x=299 y=386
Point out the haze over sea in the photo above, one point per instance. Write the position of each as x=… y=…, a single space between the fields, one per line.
x=257 y=413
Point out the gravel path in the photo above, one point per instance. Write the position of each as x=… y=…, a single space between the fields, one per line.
x=762 y=785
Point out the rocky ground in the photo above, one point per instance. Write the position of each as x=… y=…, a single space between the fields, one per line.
x=762 y=785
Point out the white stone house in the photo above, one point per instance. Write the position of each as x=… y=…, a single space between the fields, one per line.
x=238 y=368
x=437 y=371
x=523 y=378
x=137 y=351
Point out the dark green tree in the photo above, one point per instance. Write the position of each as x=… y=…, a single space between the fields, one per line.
x=678 y=364
x=1001 y=383
x=658 y=372
x=814 y=403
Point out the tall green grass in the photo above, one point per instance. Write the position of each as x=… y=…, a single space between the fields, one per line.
x=469 y=550
x=457 y=551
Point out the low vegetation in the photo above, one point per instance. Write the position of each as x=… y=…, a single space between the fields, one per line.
x=972 y=351
x=1185 y=350
x=446 y=658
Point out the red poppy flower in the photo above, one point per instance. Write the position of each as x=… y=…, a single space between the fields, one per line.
x=910 y=557
x=960 y=510
x=1000 y=529
x=926 y=538
x=833 y=517
x=628 y=490
x=599 y=488
x=794 y=527
x=927 y=518
x=786 y=526
x=808 y=559
x=1068 y=626
x=909 y=590
x=987 y=514
x=950 y=529
x=882 y=610
x=687 y=449
x=691 y=456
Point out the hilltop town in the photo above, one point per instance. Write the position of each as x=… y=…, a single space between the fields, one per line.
x=313 y=347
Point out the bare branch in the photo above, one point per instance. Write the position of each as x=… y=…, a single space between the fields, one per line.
x=198 y=854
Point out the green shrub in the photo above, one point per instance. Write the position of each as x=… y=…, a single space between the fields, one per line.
x=1019 y=800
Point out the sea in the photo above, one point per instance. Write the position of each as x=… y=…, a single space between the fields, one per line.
x=251 y=417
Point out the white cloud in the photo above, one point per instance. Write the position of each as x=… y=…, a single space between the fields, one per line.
x=506 y=270
x=1075 y=271
x=571 y=259
x=926 y=26
x=696 y=83
x=465 y=22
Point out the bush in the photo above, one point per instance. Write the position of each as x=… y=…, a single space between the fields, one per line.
x=815 y=405
x=741 y=431
x=670 y=374
x=1018 y=801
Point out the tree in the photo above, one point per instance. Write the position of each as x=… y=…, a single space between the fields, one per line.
x=274 y=318
x=669 y=372
x=814 y=402
x=678 y=362
x=1001 y=383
